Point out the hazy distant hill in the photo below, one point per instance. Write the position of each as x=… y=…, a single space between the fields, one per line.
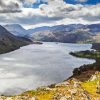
x=94 y=28
x=16 y=29
x=9 y=42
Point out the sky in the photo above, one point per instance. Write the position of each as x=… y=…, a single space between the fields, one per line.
x=36 y=13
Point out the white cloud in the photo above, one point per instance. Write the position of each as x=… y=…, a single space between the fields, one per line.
x=59 y=9
x=31 y=1
x=10 y=6
x=13 y=6
x=70 y=11
x=53 y=13
x=54 y=7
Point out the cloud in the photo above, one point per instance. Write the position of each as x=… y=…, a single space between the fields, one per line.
x=89 y=13
x=58 y=8
x=31 y=1
x=78 y=11
x=10 y=6
x=14 y=6
x=28 y=16
x=28 y=3
x=53 y=13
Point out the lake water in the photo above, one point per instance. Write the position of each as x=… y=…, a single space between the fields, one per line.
x=38 y=65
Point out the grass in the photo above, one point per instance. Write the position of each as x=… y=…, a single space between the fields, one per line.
x=46 y=95
x=87 y=54
x=90 y=87
x=40 y=94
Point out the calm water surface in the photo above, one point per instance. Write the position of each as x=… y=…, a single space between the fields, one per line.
x=37 y=65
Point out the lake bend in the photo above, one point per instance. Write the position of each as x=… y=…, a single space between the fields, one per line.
x=35 y=65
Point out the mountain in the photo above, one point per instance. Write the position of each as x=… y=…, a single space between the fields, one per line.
x=73 y=33
x=94 y=28
x=16 y=29
x=56 y=28
x=96 y=46
x=39 y=29
x=9 y=42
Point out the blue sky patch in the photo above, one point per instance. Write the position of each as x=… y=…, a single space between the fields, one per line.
x=39 y=2
x=92 y=2
x=88 y=2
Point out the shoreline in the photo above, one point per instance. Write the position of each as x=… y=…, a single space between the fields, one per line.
x=83 y=73
x=65 y=80
x=10 y=50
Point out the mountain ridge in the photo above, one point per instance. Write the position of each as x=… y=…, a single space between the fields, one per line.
x=72 y=33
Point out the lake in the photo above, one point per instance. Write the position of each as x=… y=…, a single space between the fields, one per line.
x=35 y=65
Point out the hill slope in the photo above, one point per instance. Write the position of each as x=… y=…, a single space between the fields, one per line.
x=9 y=42
x=96 y=46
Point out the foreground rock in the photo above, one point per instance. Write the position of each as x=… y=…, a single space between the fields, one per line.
x=18 y=98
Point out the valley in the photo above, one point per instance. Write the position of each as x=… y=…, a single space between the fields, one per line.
x=49 y=49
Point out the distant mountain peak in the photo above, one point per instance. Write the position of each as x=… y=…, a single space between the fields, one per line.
x=16 y=29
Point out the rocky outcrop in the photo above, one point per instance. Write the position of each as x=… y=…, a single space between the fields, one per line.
x=18 y=98
x=72 y=91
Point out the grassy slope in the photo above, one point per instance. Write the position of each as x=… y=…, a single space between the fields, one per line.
x=63 y=90
x=87 y=54
x=90 y=86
